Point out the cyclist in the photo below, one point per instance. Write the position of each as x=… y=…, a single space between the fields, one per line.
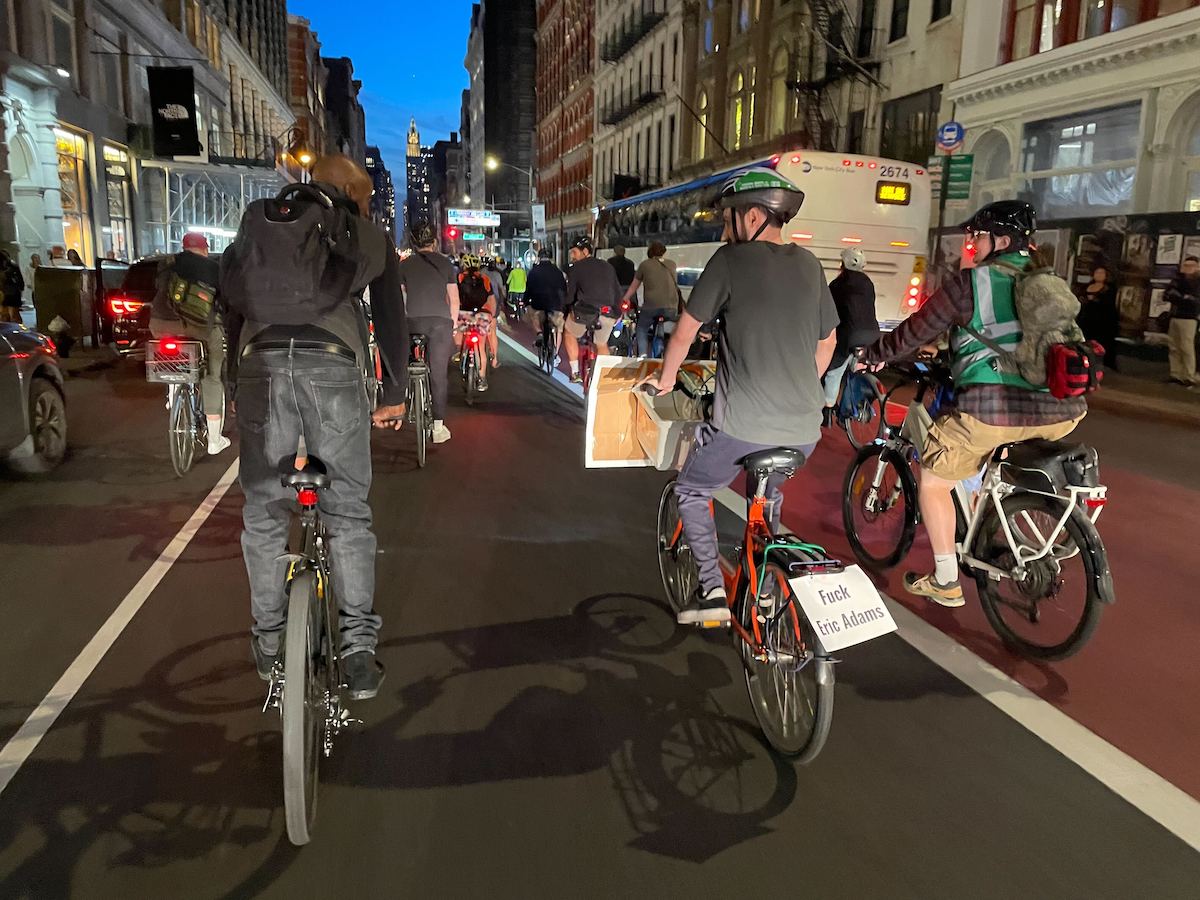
x=192 y=274
x=546 y=287
x=309 y=380
x=431 y=301
x=516 y=284
x=660 y=296
x=854 y=297
x=475 y=296
x=991 y=407
x=777 y=334
x=592 y=285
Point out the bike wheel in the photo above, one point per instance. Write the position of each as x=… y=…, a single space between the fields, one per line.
x=792 y=700
x=469 y=376
x=418 y=412
x=550 y=349
x=866 y=424
x=675 y=562
x=586 y=358
x=1053 y=610
x=181 y=431
x=303 y=708
x=879 y=507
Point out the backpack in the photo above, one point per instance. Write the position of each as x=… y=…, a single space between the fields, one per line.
x=472 y=292
x=191 y=300
x=1052 y=352
x=294 y=259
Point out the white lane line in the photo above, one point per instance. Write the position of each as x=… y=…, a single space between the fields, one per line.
x=22 y=744
x=1173 y=809
x=559 y=378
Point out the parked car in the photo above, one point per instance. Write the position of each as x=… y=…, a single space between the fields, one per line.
x=33 y=408
x=126 y=292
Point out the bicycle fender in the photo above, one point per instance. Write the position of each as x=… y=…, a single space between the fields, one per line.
x=1095 y=549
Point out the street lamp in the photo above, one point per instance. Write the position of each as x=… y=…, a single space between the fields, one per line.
x=466 y=199
x=492 y=164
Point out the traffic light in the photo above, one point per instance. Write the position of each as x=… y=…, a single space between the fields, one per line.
x=452 y=233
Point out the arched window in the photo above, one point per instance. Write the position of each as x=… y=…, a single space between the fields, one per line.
x=737 y=110
x=702 y=137
x=779 y=94
x=750 y=118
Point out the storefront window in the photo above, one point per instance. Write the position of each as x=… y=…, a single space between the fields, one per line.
x=117 y=236
x=73 y=190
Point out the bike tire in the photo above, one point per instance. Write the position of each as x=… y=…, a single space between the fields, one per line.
x=861 y=434
x=302 y=708
x=470 y=374
x=585 y=368
x=675 y=563
x=181 y=431
x=418 y=408
x=1082 y=532
x=858 y=478
x=549 y=350
x=794 y=709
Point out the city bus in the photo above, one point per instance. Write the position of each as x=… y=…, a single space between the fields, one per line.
x=881 y=206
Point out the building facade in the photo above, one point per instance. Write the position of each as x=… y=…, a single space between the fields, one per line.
x=418 y=162
x=306 y=88
x=566 y=118
x=473 y=106
x=449 y=186
x=77 y=166
x=639 y=72
x=383 y=201
x=345 y=121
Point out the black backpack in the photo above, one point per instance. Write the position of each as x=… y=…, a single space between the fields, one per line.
x=294 y=259
x=472 y=292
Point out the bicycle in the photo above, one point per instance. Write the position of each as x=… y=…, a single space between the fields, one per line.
x=789 y=676
x=587 y=348
x=547 y=345
x=420 y=398
x=1019 y=526
x=306 y=683
x=860 y=413
x=474 y=329
x=181 y=365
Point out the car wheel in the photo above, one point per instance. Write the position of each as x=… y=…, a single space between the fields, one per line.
x=48 y=428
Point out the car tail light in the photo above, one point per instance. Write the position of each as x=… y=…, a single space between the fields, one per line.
x=801 y=236
x=852 y=240
x=123 y=306
x=307 y=497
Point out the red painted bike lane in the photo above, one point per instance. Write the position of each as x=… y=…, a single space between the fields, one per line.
x=1136 y=682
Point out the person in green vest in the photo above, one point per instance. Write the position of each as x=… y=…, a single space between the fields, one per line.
x=992 y=407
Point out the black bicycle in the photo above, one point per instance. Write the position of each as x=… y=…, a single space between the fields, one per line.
x=474 y=328
x=860 y=407
x=547 y=345
x=306 y=683
x=420 y=398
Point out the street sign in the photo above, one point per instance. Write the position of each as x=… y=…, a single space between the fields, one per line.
x=950 y=136
x=953 y=174
x=539 y=220
x=474 y=236
x=476 y=218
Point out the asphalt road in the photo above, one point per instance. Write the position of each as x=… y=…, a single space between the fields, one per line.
x=544 y=729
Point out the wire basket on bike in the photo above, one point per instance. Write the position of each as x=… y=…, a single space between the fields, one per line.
x=174 y=361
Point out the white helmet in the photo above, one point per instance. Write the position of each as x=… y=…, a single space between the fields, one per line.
x=854 y=259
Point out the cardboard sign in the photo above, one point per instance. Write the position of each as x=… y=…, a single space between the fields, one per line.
x=843 y=607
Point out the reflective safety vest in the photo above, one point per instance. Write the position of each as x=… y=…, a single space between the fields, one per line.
x=995 y=317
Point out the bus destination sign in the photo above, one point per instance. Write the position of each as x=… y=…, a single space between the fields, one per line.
x=896 y=193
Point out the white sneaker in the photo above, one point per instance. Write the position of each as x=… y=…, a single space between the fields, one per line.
x=441 y=434
x=221 y=443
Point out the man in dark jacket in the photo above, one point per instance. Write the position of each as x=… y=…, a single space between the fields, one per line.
x=310 y=380
x=854 y=297
x=546 y=291
x=624 y=267
x=1184 y=296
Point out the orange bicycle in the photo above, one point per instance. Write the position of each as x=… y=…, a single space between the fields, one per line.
x=789 y=676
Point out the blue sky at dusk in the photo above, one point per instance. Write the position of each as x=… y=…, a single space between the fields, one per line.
x=408 y=56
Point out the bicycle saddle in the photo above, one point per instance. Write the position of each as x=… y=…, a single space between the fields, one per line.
x=313 y=474
x=418 y=340
x=781 y=460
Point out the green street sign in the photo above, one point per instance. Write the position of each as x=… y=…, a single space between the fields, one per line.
x=952 y=174
x=474 y=236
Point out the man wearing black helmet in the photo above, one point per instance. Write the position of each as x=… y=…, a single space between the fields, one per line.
x=546 y=290
x=592 y=288
x=777 y=335
x=431 y=301
x=992 y=406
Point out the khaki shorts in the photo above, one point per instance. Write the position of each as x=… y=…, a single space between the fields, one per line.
x=603 y=330
x=958 y=445
x=537 y=316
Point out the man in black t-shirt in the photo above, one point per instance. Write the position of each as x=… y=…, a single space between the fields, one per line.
x=593 y=294
x=431 y=302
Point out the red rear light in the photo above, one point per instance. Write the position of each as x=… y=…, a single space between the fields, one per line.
x=170 y=348
x=796 y=159
x=123 y=306
x=859 y=164
x=845 y=162
x=307 y=497
x=474 y=339
x=871 y=165
x=625 y=306
x=920 y=171
x=1095 y=502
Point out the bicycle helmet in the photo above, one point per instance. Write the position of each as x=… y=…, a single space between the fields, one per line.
x=1014 y=219
x=422 y=233
x=765 y=188
x=854 y=259
x=469 y=261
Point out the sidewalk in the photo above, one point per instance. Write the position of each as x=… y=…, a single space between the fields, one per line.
x=1139 y=391
x=82 y=359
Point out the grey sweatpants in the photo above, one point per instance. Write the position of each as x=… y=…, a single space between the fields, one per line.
x=713 y=463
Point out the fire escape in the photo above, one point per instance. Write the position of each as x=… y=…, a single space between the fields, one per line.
x=841 y=55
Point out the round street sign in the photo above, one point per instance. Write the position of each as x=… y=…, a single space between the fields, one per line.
x=950 y=136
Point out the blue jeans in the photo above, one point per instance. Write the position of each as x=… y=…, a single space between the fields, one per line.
x=832 y=382
x=645 y=328
x=280 y=397
x=713 y=463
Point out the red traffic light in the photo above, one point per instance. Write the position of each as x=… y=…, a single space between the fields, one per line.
x=452 y=233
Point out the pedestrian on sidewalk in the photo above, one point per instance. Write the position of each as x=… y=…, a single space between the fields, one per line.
x=626 y=270
x=13 y=285
x=1184 y=296
x=1098 y=316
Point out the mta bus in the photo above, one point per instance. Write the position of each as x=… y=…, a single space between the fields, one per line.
x=881 y=206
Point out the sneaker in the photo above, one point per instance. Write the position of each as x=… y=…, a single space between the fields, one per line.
x=263 y=662
x=705 y=607
x=363 y=674
x=576 y=378
x=441 y=435
x=456 y=358
x=221 y=443
x=949 y=595
x=481 y=385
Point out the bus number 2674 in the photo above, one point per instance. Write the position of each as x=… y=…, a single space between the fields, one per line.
x=893 y=172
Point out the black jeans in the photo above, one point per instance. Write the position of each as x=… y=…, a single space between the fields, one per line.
x=440 y=334
x=280 y=397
